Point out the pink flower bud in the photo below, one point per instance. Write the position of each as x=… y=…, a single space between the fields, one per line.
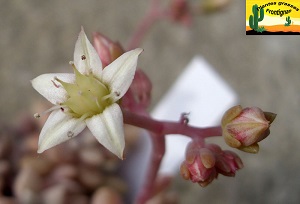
x=227 y=162
x=180 y=12
x=107 y=50
x=141 y=87
x=199 y=165
x=204 y=162
x=139 y=92
x=244 y=128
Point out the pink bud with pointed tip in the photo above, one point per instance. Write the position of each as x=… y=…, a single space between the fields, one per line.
x=204 y=162
x=198 y=165
x=107 y=50
x=139 y=93
x=244 y=128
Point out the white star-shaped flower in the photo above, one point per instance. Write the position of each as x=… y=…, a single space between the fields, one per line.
x=87 y=98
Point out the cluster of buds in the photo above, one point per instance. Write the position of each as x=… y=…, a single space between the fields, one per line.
x=203 y=163
x=244 y=128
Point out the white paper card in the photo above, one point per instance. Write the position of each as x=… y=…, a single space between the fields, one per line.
x=200 y=91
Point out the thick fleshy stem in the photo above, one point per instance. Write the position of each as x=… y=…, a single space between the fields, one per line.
x=152 y=16
x=168 y=127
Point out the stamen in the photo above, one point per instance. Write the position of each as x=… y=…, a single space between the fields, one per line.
x=57 y=79
x=111 y=95
x=56 y=85
x=38 y=115
x=97 y=102
x=74 y=68
x=107 y=96
x=72 y=64
x=84 y=116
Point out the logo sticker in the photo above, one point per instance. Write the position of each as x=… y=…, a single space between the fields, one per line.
x=265 y=17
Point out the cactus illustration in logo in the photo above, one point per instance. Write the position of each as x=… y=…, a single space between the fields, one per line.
x=254 y=19
x=288 y=21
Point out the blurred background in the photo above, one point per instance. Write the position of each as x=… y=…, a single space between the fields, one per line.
x=38 y=37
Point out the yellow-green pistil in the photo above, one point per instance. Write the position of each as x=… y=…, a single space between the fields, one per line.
x=88 y=96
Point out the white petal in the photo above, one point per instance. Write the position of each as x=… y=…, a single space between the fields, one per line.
x=86 y=58
x=108 y=129
x=58 y=128
x=119 y=74
x=46 y=85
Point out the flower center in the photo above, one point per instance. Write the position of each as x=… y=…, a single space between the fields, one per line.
x=87 y=96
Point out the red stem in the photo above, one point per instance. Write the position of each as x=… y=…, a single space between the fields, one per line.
x=150 y=18
x=167 y=127
x=158 y=130
x=158 y=151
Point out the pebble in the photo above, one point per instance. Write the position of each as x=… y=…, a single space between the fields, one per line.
x=7 y=200
x=92 y=156
x=27 y=183
x=90 y=178
x=40 y=165
x=116 y=183
x=4 y=168
x=77 y=199
x=64 y=171
x=54 y=194
x=106 y=195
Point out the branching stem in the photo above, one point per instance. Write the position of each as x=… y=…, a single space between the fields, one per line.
x=168 y=127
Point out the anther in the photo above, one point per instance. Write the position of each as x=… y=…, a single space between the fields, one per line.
x=117 y=93
x=36 y=115
x=184 y=118
x=56 y=85
x=83 y=57
x=70 y=134
x=107 y=96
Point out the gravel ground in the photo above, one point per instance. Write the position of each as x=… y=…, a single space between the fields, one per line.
x=38 y=37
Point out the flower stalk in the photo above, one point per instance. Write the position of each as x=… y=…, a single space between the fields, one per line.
x=168 y=127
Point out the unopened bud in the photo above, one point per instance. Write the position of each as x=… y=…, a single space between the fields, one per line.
x=209 y=6
x=198 y=165
x=204 y=162
x=244 y=128
x=180 y=12
x=107 y=50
